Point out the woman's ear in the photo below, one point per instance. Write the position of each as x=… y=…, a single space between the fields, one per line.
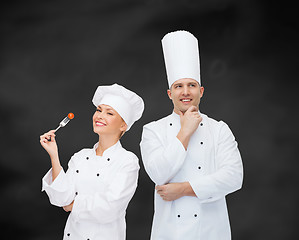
x=123 y=127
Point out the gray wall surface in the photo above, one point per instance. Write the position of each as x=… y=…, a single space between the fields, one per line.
x=55 y=53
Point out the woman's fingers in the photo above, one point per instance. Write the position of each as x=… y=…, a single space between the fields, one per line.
x=49 y=136
x=50 y=133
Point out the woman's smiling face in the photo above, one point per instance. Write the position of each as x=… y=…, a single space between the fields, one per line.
x=107 y=121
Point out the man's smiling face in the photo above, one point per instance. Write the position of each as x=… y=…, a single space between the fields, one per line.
x=184 y=93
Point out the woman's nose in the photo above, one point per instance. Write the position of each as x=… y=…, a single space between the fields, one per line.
x=99 y=115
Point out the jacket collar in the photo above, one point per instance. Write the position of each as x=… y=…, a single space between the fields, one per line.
x=109 y=151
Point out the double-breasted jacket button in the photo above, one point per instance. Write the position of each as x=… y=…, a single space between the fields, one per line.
x=199 y=167
x=77 y=171
x=68 y=234
x=170 y=124
x=195 y=215
x=108 y=159
x=201 y=124
x=201 y=143
x=87 y=158
x=179 y=215
x=76 y=193
x=98 y=174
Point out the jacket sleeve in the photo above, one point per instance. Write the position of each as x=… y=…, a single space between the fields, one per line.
x=229 y=175
x=105 y=207
x=61 y=190
x=161 y=161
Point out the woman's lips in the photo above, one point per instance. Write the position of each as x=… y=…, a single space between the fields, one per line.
x=100 y=124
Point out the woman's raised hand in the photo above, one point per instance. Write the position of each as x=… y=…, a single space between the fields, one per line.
x=48 y=142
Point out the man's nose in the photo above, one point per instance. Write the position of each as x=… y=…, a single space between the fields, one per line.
x=185 y=91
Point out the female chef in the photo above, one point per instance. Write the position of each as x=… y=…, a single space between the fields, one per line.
x=100 y=181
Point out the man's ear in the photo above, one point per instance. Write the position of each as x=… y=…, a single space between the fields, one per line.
x=169 y=93
x=201 y=90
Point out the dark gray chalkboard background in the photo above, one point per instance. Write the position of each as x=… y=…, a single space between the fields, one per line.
x=55 y=53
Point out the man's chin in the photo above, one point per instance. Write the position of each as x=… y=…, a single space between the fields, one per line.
x=183 y=109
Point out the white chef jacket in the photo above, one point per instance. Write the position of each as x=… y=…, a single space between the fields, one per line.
x=212 y=165
x=101 y=187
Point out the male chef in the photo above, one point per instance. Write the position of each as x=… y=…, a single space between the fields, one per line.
x=193 y=159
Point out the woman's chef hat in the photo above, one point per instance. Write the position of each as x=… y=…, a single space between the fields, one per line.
x=127 y=103
x=181 y=56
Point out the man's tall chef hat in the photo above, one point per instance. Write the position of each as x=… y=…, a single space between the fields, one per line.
x=181 y=56
x=127 y=103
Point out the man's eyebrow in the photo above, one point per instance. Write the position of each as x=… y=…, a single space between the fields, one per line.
x=193 y=83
